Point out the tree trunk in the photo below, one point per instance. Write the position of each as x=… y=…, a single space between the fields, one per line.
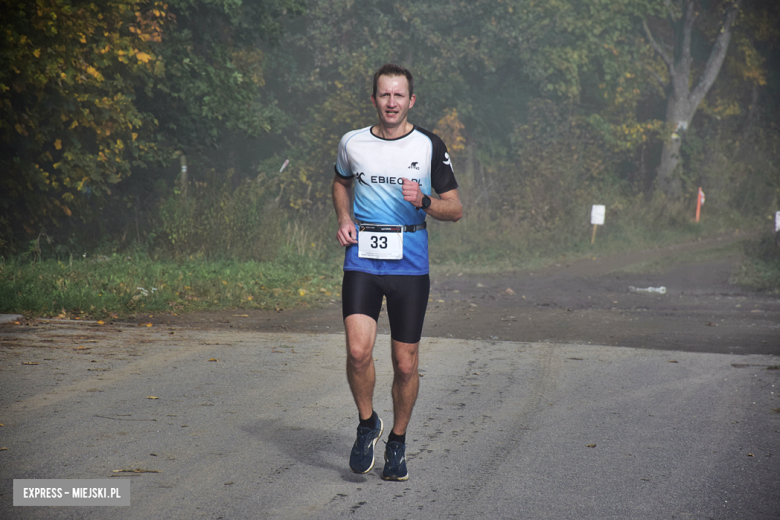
x=666 y=178
x=679 y=112
x=682 y=102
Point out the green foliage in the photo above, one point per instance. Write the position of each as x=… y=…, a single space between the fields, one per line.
x=68 y=123
x=760 y=270
x=120 y=285
x=91 y=91
x=214 y=66
x=215 y=220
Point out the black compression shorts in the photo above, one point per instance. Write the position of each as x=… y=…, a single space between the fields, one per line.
x=407 y=300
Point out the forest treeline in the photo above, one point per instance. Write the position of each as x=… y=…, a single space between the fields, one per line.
x=546 y=107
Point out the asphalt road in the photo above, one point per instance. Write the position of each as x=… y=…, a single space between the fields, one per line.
x=502 y=429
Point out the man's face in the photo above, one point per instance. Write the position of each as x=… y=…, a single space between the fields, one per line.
x=392 y=100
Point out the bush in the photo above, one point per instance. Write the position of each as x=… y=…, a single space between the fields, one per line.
x=215 y=220
x=761 y=267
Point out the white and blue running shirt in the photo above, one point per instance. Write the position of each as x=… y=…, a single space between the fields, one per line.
x=378 y=165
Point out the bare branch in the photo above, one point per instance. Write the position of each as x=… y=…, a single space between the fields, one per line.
x=656 y=47
x=717 y=55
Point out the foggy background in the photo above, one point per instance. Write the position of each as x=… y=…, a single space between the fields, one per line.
x=547 y=108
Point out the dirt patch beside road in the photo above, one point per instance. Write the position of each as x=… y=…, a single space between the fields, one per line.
x=586 y=301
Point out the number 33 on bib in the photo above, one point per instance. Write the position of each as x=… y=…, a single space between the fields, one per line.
x=381 y=242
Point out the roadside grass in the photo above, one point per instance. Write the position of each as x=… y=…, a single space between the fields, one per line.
x=306 y=269
x=760 y=270
x=479 y=246
x=120 y=285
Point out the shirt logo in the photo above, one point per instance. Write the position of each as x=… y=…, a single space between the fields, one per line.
x=360 y=178
x=414 y=166
x=447 y=162
x=381 y=179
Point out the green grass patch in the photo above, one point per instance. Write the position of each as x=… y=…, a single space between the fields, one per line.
x=760 y=270
x=479 y=245
x=119 y=285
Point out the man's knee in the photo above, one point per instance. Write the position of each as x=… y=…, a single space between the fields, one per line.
x=359 y=355
x=405 y=361
x=361 y=334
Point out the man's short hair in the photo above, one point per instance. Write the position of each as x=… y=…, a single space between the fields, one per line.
x=391 y=69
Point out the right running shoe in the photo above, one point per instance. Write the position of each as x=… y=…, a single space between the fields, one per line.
x=395 y=462
x=361 y=460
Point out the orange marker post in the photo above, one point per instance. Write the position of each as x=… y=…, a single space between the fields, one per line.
x=699 y=202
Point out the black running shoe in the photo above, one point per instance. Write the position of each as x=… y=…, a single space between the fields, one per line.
x=361 y=460
x=395 y=461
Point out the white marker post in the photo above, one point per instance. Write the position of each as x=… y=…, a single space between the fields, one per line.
x=597 y=214
x=777 y=228
x=183 y=175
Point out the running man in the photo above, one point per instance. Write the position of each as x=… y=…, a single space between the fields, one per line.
x=397 y=165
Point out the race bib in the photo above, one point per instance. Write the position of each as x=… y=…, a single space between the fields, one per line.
x=381 y=242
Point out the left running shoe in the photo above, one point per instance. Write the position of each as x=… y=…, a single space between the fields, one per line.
x=361 y=460
x=395 y=462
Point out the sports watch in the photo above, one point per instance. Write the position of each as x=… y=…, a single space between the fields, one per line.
x=426 y=202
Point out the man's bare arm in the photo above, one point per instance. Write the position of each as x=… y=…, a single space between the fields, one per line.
x=342 y=196
x=446 y=207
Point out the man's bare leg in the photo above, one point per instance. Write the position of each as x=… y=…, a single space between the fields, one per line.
x=406 y=383
x=361 y=374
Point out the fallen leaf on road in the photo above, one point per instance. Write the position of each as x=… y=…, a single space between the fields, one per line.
x=29 y=363
x=750 y=455
x=3 y=449
x=213 y=359
x=137 y=470
x=101 y=322
x=151 y=397
x=672 y=361
x=509 y=291
x=590 y=446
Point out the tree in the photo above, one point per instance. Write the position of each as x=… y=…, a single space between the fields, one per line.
x=69 y=74
x=212 y=90
x=91 y=92
x=683 y=96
